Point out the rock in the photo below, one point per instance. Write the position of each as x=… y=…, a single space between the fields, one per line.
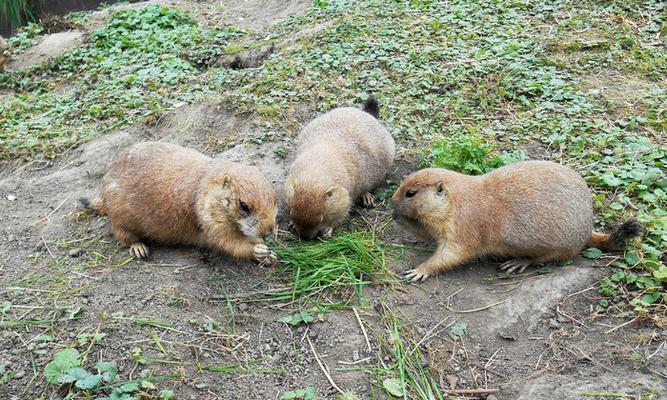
x=75 y=253
x=243 y=307
x=554 y=324
x=51 y=46
x=11 y=197
x=19 y=374
x=251 y=58
x=355 y=355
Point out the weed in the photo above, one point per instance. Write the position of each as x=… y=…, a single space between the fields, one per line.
x=467 y=154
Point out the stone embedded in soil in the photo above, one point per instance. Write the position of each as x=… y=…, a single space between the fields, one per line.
x=251 y=58
x=51 y=46
x=75 y=253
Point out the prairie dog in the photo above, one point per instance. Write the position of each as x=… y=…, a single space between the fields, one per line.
x=532 y=211
x=175 y=195
x=341 y=156
x=4 y=54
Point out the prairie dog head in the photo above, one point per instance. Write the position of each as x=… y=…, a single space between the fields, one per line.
x=315 y=209
x=243 y=198
x=421 y=203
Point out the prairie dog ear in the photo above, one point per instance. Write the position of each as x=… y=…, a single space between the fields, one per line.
x=440 y=188
x=226 y=180
x=290 y=184
x=335 y=194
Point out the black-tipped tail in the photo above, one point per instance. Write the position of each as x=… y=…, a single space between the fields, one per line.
x=627 y=230
x=372 y=106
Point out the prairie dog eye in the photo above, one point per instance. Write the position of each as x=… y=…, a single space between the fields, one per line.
x=410 y=193
x=244 y=207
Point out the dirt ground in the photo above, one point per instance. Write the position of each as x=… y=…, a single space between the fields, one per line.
x=539 y=339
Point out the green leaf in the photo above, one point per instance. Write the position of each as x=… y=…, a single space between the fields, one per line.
x=592 y=253
x=611 y=180
x=394 y=387
x=296 y=319
x=661 y=273
x=309 y=393
x=632 y=258
x=108 y=370
x=74 y=374
x=129 y=387
x=650 y=298
x=147 y=385
x=545 y=270
x=459 y=329
x=89 y=382
x=166 y=394
x=63 y=361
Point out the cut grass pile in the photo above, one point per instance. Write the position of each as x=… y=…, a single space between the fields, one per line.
x=342 y=265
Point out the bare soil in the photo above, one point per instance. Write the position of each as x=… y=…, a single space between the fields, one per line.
x=538 y=339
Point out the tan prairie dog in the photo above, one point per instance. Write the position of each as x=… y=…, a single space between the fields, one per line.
x=531 y=211
x=4 y=54
x=342 y=155
x=173 y=195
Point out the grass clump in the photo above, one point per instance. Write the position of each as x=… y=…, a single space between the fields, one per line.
x=343 y=264
x=467 y=154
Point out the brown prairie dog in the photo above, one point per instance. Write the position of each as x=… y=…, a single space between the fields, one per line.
x=342 y=155
x=174 y=195
x=532 y=211
x=4 y=54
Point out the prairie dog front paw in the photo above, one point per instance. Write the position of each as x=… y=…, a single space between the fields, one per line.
x=264 y=255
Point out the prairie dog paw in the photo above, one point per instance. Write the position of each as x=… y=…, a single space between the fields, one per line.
x=139 y=250
x=368 y=200
x=327 y=233
x=264 y=255
x=417 y=274
x=517 y=264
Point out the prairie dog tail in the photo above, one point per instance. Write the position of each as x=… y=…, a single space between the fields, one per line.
x=94 y=204
x=372 y=106
x=616 y=239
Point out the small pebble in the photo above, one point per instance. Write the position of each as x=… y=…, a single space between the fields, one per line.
x=75 y=253
x=11 y=197
x=243 y=307
x=355 y=355
x=553 y=324
x=19 y=374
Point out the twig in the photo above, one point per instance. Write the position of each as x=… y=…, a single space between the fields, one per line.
x=488 y=363
x=621 y=325
x=324 y=370
x=363 y=330
x=54 y=210
x=475 y=309
x=471 y=391
x=249 y=294
x=354 y=362
x=655 y=352
x=47 y=247
x=85 y=276
x=426 y=336
x=558 y=311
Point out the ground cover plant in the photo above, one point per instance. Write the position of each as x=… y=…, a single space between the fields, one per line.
x=142 y=62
